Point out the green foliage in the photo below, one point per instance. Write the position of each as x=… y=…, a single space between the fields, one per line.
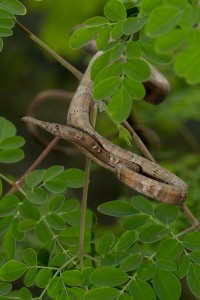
x=157 y=31
x=10 y=144
x=146 y=259
x=8 y=10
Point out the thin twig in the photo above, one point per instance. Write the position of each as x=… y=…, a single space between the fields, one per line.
x=93 y=117
x=139 y=142
x=190 y=216
x=50 y=51
x=40 y=158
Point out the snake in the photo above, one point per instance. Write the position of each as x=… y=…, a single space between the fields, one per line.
x=140 y=174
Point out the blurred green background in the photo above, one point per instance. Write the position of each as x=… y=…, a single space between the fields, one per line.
x=26 y=70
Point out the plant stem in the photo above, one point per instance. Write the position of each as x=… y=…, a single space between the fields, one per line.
x=139 y=142
x=190 y=216
x=13 y=184
x=93 y=116
x=40 y=158
x=50 y=51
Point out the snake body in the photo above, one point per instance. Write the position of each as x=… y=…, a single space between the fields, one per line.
x=139 y=173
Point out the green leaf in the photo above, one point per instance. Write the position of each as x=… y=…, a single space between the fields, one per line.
x=137 y=69
x=71 y=235
x=30 y=257
x=34 y=178
x=9 y=244
x=30 y=277
x=43 y=277
x=146 y=270
x=5 y=223
x=116 y=31
x=169 y=249
x=108 y=276
x=11 y=155
x=114 y=10
x=117 y=51
x=131 y=263
x=153 y=233
x=135 y=88
x=52 y=172
x=133 y=50
x=166 y=264
x=152 y=55
x=96 y=21
x=162 y=19
x=195 y=257
x=56 y=202
x=29 y=211
x=119 y=106
x=7 y=129
x=55 y=221
x=127 y=239
x=74 y=178
x=135 y=222
x=185 y=65
x=171 y=41
x=5 y=288
x=5 y=32
x=106 y=88
x=125 y=297
x=117 y=208
x=42 y=232
x=72 y=277
x=73 y=218
x=105 y=244
x=177 y=3
x=147 y=6
x=99 y=64
x=193 y=279
x=12 y=142
x=166 y=285
x=37 y=196
x=76 y=293
x=14 y=6
x=26 y=225
x=100 y=293
x=54 y=287
x=12 y=270
x=4 y=13
x=83 y=36
x=25 y=294
x=103 y=37
x=191 y=241
x=8 y=205
x=142 y=204
x=6 y=22
x=166 y=213
x=55 y=185
x=183 y=264
x=18 y=235
x=140 y=289
x=133 y=25
x=111 y=70
x=70 y=205
x=189 y=18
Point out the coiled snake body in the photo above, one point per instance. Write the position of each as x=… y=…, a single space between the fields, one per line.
x=140 y=174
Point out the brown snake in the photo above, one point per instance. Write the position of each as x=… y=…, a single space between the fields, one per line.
x=138 y=173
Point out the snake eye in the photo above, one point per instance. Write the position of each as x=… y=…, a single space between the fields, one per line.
x=57 y=127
